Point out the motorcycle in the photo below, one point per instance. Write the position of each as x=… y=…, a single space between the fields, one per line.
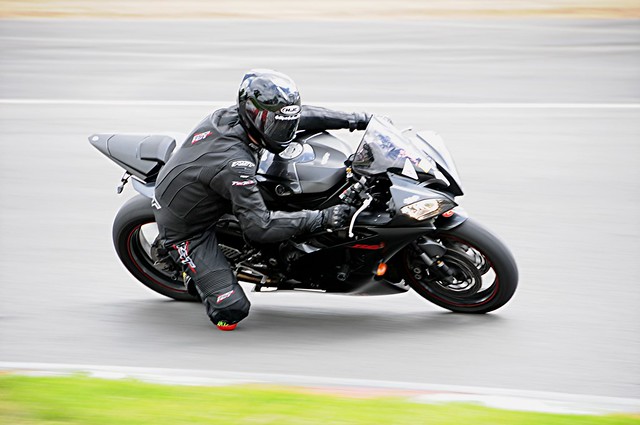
x=407 y=231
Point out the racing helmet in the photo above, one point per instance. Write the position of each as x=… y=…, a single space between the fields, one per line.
x=269 y=108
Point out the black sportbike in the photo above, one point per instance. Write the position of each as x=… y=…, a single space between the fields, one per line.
x=406 y=231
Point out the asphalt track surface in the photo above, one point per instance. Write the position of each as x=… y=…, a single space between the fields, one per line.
x=542 y=117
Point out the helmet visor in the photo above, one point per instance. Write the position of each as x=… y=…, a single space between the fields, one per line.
x=280 y=128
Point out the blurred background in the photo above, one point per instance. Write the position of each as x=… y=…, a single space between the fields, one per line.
x=539 y=103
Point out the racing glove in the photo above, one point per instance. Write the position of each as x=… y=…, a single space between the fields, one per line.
x=359 y=121
x=335 y=217
x=331 y=218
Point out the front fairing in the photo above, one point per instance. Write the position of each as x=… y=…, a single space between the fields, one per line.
x=404 y=191
x=384 y=149
x=433 y=144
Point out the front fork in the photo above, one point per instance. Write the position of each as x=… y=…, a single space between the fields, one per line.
x=431 y=252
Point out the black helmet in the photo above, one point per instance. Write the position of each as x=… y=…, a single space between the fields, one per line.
x=269 y=108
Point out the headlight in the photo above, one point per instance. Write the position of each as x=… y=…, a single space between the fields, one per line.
x=427 y=208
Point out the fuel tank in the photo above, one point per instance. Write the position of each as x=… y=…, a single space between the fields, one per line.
x=311 y=166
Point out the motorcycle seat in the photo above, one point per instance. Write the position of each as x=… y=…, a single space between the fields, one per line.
x=140 y=155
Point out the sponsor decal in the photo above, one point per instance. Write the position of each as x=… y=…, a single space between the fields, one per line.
x=448 y=213
x=424 y=165
x=290 y=110
x=199 y=136
x=243 y=182
x=183 y=252
x=287 y=117
x=224 y=296
x=242 y=164
x=408 y=169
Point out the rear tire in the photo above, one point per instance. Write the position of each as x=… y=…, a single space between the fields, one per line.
x=473 y=253
x=132 y=226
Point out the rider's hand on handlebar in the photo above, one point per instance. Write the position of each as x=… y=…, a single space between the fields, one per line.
x=359 y=121
x=336 y=216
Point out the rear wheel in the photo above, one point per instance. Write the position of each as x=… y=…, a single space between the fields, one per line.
x=483 y=273
x=134 y=232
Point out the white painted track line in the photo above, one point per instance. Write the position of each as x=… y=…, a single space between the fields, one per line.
x=511 y=399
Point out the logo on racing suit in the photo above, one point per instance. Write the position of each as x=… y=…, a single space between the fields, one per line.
x=225 y=296
x=243 y=182
x=242 y=164
x=183 y=252
x=199 y=136
x=154 y=203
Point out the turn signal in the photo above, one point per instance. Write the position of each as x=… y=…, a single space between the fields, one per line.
x=382 y=269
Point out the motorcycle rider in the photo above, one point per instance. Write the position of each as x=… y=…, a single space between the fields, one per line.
x=213 y=173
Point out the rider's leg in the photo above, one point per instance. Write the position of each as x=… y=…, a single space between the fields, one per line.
x=225 y=301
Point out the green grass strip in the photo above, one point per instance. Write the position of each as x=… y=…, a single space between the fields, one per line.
x=82 y=400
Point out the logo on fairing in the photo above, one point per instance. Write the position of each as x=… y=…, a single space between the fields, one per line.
x=290 y=110
x=242 y=164
x=224 y=296
x=367 y=246
x=199 y=136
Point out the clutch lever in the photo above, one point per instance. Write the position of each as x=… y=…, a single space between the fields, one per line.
x=363 y=207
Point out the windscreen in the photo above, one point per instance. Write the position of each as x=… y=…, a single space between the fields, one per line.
x=383 y=148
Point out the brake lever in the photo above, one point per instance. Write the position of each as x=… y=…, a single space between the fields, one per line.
x=363 y=207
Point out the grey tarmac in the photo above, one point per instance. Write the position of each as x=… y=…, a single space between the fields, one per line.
x=560 y=184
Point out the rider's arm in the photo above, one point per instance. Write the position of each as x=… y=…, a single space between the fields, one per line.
x=315 y=118
x=236 y=182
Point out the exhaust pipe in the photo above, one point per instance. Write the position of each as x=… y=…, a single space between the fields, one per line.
x=258 y=280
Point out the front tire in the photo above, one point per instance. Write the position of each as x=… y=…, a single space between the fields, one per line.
x=485 y=272
x=134 y=231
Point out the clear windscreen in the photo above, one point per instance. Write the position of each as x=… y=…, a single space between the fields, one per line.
x=383 y=148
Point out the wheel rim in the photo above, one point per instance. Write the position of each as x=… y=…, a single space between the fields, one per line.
x=475 y=280
x=139 y=244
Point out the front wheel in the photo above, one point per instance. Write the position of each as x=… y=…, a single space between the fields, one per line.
x=134 y=232
x=482 y=273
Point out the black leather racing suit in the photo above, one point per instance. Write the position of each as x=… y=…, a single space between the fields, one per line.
x=211 y=174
